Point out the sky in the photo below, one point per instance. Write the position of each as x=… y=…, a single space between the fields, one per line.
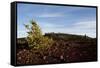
x=57 y=19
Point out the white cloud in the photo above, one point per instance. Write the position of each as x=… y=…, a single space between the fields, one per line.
x=21 y=33
x=46 y=15
x=86 y=25
x=51 y=25
x=80 y=28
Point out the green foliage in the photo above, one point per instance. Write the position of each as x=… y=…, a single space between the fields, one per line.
x=35 y=38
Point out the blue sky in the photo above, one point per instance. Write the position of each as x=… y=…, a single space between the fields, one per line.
x=58 y=19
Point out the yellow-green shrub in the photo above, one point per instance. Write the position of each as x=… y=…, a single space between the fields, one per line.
x=35 y=38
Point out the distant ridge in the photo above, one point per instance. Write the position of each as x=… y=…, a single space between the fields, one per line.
x=67 y=36
x=60 y=36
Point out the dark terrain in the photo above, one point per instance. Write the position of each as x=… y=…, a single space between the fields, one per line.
x=67 y=48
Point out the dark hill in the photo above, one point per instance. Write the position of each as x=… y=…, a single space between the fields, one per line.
x=68 y=37
x=60 y=36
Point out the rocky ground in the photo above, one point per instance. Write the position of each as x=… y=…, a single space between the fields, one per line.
x=61 y=51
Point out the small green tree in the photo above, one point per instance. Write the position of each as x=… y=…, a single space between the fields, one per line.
x=35 y=38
